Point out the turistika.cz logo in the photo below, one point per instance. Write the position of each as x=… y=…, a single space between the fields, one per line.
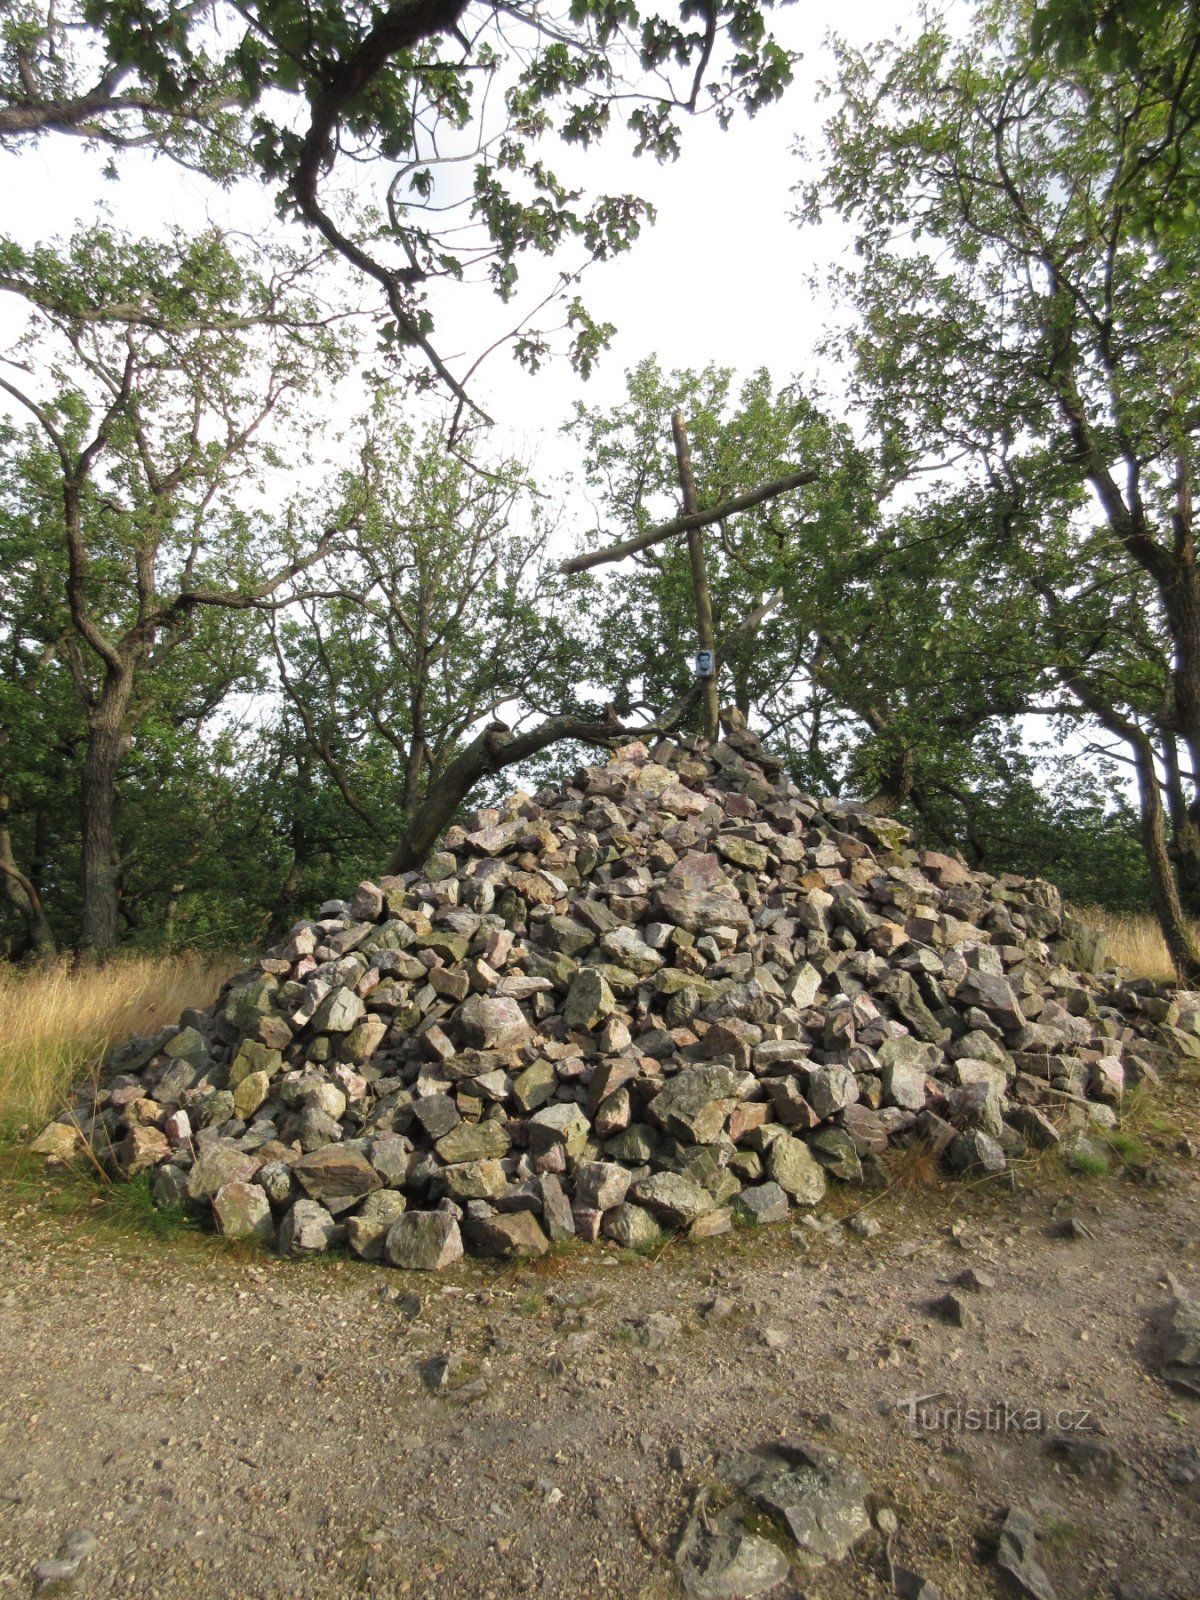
x=941 y=1412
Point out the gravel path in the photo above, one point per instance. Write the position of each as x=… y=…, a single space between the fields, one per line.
x=250 y=1427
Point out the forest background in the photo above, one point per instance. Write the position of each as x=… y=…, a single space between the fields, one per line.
x=281 y=572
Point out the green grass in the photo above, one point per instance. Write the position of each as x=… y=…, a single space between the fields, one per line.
x=1086 y=1163
x=1126 y=1146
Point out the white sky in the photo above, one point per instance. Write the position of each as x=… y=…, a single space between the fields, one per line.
x=723 y=276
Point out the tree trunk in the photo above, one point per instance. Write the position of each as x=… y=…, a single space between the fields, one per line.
x=287 y=902
x=1181 y=942
x=23 y=896
x=107 y=744
x=705 y=637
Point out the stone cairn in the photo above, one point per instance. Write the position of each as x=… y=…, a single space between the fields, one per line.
x=674 y=993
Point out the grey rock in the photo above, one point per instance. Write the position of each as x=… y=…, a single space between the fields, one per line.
x=976 y=1151
x=308 y=1229
x=424 y=1241
x=1180 y=1345
x=336 y=1173
x=632 y=1227
x=792 y=1166
x=368 y=1228
x=676 y=1199
x=765 y=1203
x=589 y=1001
x=243 y=1211
x=515 y=1233
x=695 y=1104
x=338 y=1012
x=220 y=1164
x=600 y=1185
x=818 y=1497
x=1016 y=1555
x=721 y=1559
x=492 y=1024
x=829 y=1089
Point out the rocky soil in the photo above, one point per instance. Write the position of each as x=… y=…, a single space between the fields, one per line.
x=236 y=1424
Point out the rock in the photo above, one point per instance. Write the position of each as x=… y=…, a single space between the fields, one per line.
x=658 y=1330
x=721 y=1559
x=516 y=1233
x=632 y=1227
x=368 y=1228
x=673 y=1198
x=250 y=1094
x=308 y=1229
x=1180 y=1345
x=911 y=1585
x=904 y=1085
x=977 y=1152
x=492 y=1024
x=474 y=1141
x=334 y=1174
x=1089 y=1457
x=820 y=1499
x=243 y=1211
x=563 y=1125
x=141 y=1149
x=1016 y=1555
x=424 y=1241
x=338 y=1012
x=834 y=1149
x=589 y=1001
x=219 y=1164
x=792 y=1166
x=829 y=1090
x=762 y=1204
x=952 y=1308
x=59 y=1141
x=695 y=1103
x=168 y=1187
x=601 y=1185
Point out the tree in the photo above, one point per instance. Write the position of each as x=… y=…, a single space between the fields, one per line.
x=1019 y=319
x=423 y=91
x=443 y=618
x=143 y=431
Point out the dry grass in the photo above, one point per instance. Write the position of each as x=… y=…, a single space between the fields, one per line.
x=1134 y=941
x=56 y=1024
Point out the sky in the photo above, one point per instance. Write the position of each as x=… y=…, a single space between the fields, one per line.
x=723 y=275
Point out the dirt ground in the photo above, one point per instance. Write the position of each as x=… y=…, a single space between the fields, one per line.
x=250 y=1427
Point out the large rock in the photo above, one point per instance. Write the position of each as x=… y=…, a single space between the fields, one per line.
x=589 y=1001
x=243 y=1211
x=695 y=1103
x=673 y=1198
x=219 y=1164
x=492 y=1024
x=819 y=1498
x=424 y=1241
x=514 y=1233
x=308 y=1229
x=334 y=1174
x=793 y=1167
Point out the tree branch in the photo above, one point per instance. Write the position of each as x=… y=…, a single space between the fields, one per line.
x=692 y=519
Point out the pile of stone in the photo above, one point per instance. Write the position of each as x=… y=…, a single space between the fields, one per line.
x=674 y=993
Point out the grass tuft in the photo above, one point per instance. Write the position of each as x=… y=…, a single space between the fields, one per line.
x=57 y=1024
x=911 y=1168
x=1086 y=1163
